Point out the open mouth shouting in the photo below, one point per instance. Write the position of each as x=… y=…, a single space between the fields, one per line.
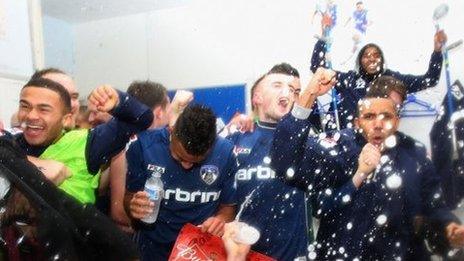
x=284 y=103
x=377 y=139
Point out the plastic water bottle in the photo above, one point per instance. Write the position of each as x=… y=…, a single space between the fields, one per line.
x=154 y=188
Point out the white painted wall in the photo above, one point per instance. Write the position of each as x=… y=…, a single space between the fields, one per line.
x=193 y=45
x=111 y=51
x=15 y=41
x=10 y=89
x=58 y=44
x=217 y=42
x=20 y=50
x=221 y=42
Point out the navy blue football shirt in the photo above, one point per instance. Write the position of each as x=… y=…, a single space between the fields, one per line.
x=277 y=210
x=191 y=196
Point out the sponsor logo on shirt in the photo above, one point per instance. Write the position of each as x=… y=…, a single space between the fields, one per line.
x=195 y=196
x=259 y=172
x=239 y=150
x=209 y=173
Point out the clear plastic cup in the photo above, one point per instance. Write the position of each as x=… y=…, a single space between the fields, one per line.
x=245 y=234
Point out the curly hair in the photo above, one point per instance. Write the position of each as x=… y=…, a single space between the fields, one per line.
x=196 y=129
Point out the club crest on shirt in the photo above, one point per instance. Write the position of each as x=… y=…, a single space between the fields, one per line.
x=209 y=173
x=155 y=169
x=241 y=150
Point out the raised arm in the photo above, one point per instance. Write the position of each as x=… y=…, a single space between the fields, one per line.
x=180 y=101
x=106 y=140
x=289 y=145
x=318 y=56
x=415 y=83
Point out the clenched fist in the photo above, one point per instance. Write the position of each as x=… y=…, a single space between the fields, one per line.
x=323 y=80
x=367 y=162
x=105 y=98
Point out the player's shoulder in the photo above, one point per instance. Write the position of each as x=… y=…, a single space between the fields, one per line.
x=151 y=137
x=411 y=145
x=223 y=145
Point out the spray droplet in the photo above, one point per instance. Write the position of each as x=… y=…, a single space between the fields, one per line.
x=394 y=181
x=384 y=159
x=349 y=226
x=381 y=219
x=290 y=173
x=266 y=160
x=346 y=198
x=390 y=142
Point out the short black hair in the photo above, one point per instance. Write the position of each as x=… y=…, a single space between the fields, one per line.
x=284 y=68
x=196 y=129
x=40 y=73
x=281 y=68
x=53 y=86
x=383 y=86
x=150 y=93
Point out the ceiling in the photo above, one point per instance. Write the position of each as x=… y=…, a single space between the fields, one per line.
x=78 y=11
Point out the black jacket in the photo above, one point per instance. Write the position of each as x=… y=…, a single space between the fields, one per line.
x=58 y=227
x=375 y=221
x=451 y=170
x=352 y=85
